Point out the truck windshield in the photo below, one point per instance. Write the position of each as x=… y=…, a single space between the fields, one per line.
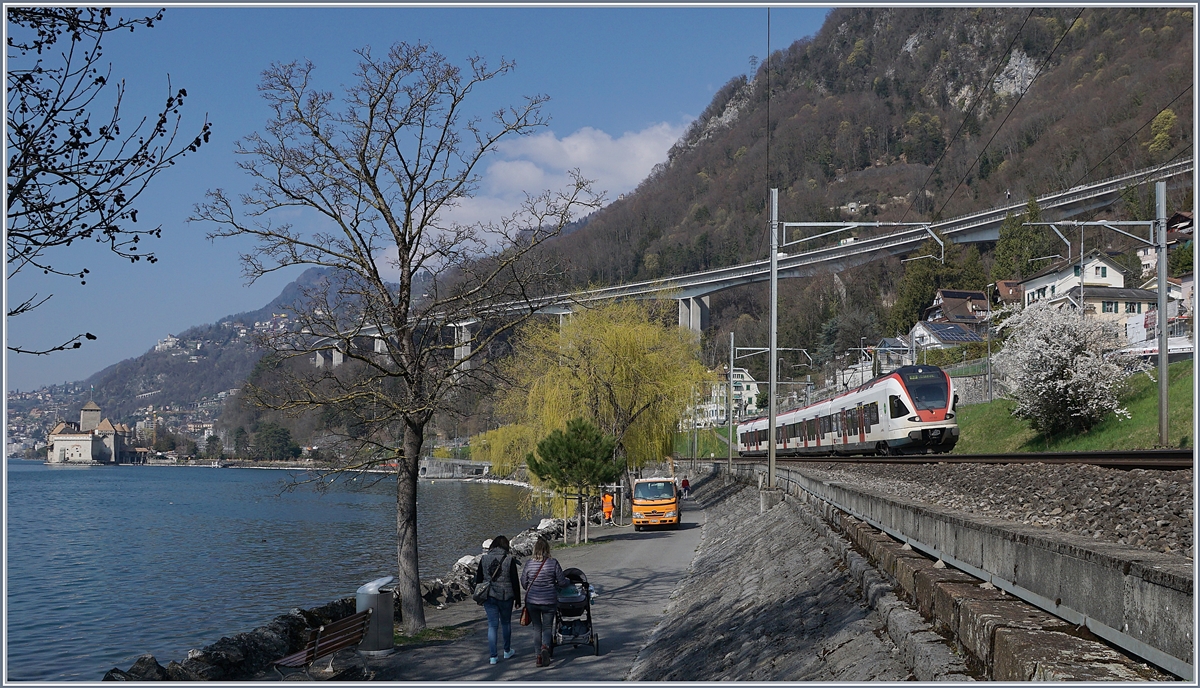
x=927 y=388
x=664 y=489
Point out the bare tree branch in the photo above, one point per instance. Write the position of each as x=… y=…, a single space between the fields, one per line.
x=377 y=169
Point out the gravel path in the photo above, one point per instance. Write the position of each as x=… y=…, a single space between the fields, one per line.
x=776 y=608
x=1153 y=510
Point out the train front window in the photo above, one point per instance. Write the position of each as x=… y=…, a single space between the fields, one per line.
x=927 y=389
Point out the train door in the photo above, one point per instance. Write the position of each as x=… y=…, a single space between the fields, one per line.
x=862 y=425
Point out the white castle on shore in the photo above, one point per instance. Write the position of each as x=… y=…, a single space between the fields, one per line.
x=90 y=441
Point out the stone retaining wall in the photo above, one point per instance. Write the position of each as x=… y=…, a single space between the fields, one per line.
x=1007 y=639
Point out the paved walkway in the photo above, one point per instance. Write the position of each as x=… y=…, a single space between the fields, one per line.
x=633 y=573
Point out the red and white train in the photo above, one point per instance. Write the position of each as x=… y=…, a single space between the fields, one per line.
x=908 y=411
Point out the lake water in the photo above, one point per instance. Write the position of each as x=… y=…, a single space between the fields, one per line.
x=107 y=563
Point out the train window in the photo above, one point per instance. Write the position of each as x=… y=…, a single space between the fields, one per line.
x=927 y=387
x=898 y=409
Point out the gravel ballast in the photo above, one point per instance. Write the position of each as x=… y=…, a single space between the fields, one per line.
x=1153 y=510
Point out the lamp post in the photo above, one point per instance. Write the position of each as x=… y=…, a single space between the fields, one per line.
x=729 y=405
x=774 y=331
x=989 y=340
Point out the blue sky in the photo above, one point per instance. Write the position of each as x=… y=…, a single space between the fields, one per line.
x=623 y=82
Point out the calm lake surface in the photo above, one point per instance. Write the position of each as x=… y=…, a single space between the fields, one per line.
x=107 y=563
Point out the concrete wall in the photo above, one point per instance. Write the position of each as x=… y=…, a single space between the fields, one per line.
x=453 y=468
x=1138 y=600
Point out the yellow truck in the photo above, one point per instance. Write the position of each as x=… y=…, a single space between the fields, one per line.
x=655 y=503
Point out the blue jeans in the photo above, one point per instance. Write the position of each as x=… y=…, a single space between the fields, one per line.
x=499 y=615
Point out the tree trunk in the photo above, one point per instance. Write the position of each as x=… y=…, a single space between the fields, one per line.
x=412 y=607
x=587 y=520
x=578 y=528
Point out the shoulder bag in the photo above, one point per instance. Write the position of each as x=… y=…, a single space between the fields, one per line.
x=483 y=590
x=525 y=620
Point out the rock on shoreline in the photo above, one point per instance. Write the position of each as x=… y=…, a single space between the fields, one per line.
x=245 y=655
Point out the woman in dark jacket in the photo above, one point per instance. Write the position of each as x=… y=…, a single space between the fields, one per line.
x=500 y=567
x=541 y=578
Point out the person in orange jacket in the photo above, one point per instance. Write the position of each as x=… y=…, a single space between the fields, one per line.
x=607 y=502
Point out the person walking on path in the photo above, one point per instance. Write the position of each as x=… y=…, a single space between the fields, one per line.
x=607 y=502
x=541 y=578
x=686 y=486
x=500 y=567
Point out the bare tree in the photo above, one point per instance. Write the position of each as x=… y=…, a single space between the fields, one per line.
x=71 y=178
x=408 y=287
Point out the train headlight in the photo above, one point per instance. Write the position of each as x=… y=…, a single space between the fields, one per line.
x=914 y=419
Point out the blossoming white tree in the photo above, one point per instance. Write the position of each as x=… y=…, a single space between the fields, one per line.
x=1062 y=369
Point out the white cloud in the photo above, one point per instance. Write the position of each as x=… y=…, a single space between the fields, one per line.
x=533 y=164
x=617 y=164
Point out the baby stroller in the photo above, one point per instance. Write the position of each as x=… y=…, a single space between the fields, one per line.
x=573 y=621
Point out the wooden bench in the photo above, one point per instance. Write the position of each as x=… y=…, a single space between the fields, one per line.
x=327 y=641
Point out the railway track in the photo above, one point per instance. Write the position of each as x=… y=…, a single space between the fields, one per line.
x=1151 y=459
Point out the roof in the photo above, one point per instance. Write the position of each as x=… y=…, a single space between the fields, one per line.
x=91 y=406
x=892 y=343
x=1060 y=265
x=956 y=306
x=948 y=333
x=105 y=426
x=962 y=294
x=1114 y=294
x=1173 y=281
x=1180 y=221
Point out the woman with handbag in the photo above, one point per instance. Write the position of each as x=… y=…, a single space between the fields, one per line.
x=498 y=568
x=541 y=578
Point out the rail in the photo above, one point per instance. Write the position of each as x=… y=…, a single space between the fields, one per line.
x=1146 y=459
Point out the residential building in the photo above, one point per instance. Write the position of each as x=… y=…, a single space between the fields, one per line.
x=1055 y=280
x=967 y=308
x=1179 y=231
x=930 y=335
x=1124 y=307
x=745 y=399
x=892 y=352
x=170 y=342
x=1009 y=291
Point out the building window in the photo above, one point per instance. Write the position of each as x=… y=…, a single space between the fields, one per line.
x=1101 y=271
x=1133 y=307
x=1076 y=270
x=1052 y=290
x=1041 y=293
x=1109 y=306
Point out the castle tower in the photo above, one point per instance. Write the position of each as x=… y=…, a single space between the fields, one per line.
x=89 y=417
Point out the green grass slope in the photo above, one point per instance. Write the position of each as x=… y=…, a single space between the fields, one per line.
x=709 y=444
x=991 y=428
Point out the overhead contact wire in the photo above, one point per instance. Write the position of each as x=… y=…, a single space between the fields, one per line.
x=1009 y=113
x=974 y=104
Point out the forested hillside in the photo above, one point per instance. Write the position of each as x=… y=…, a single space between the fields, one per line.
x=913 y=114
x=910 y=114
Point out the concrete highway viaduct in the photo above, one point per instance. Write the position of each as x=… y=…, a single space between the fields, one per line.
x=692 y=291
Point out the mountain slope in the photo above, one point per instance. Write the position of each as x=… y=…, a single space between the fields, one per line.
x=911 y=113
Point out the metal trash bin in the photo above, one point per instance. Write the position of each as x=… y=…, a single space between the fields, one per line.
x=377 y=596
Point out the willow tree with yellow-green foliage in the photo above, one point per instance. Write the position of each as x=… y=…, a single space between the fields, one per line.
x=504 y=448
x=624 y=366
